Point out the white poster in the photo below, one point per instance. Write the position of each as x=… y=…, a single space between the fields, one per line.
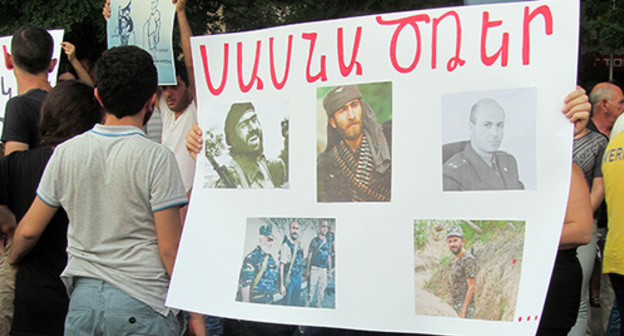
x=401 y=172
x=147 y=24
x=8 y=86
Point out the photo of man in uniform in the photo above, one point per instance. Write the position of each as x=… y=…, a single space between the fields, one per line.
x=478 y=164
x=248 y=167
x=291 y=265
x=259 y=275
x=356 y=164
x=463 y=277
x=319 y=265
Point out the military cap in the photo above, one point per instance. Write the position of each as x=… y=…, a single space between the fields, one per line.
x=455 y=231
x=338 y=96
x=267 y=231
x=234 y=114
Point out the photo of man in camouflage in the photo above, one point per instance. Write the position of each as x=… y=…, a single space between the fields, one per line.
x=463 y=278
x=259 y=274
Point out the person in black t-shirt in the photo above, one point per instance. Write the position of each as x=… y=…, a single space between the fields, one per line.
x=31 y=61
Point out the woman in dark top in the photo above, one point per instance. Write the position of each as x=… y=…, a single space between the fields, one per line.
x=41 y=300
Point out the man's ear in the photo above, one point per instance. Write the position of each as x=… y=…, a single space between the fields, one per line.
x=332 y=122
x=52 y=64
x=8 y=59
x=149 y=104
x=97 y=96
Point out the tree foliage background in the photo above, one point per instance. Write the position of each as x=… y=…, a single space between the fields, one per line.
x=601 y=33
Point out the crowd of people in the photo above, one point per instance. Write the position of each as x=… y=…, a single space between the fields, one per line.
x=91 y=209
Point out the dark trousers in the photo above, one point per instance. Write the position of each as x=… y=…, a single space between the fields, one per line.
x=617 y=281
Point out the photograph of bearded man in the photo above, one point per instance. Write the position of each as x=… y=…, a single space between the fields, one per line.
x=246 y=146
x=354 y=164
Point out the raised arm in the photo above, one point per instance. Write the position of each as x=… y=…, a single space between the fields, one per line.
x=185 y=40
x=106 y=11
x=576 y=108
x=70 y=51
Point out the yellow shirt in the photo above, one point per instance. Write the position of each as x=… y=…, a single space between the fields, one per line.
x=613 y=172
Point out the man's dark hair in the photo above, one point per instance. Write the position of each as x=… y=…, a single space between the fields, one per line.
x=69 y=109
x=31 y=48
x=180 y=69
x=126 y=78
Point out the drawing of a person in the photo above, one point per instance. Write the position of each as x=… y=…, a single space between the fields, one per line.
x=152 y=27
x=125 y=26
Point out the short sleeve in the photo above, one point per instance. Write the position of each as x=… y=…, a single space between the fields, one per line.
x=601 y=145
x=284 y=254
x=48 y=188
x=166 y=187
x=470 y=267
x=15 y=127
x=248 y=271
x=5 y=177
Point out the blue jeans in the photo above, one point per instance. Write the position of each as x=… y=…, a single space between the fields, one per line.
x=613 y=328
x=97 y=308
x=293 y=291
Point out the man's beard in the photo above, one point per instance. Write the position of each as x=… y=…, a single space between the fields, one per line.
x=457 y=250
x=265 y=248
x=242 y=147
x=344 y=135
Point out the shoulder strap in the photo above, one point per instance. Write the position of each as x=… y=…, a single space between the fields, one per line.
x=294 y=255
x=259 y=275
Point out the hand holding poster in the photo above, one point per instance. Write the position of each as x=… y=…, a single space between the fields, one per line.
x=147 y=24
x=425 y=162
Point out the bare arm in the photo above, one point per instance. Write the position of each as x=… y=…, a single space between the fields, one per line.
x=329 y=268
x=70 y=51
x=7 y=221
x=471 y=282
x=30 y=229
x=578 y=223
x=596 y=195
x=106 y=11
x=308 y=263
x=282 y=287
x=168 y=229
x=197 y=324
x=185 y=40
x=245 y=292
x=7 y=226
x=12 y=146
